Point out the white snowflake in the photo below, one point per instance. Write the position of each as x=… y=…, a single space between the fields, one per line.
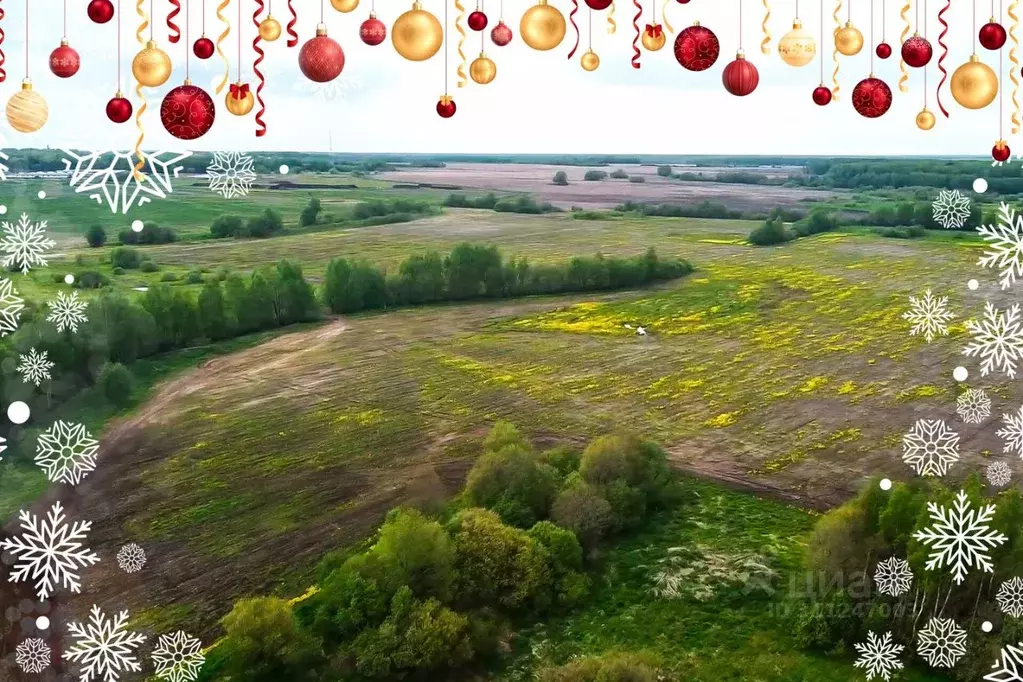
x=951 y=209
x=337 y=89
x=893 y=576
x=178 y=657
x=941 y=643
x=34 y=366
x=230 y=174
x=930 y=448
x=131 y=558
x=929 y=316
x=11 y=306
x=1005 y=245
x=999 y=474
x=1008 y=668
x=67 y=311
x=32 y=655
x=998 y=340
x=960 y=537
x=25 y=244
x=66 y=452
x=1013 y=432
x=879 y=656
x=3 y=166
x=1010 y=597
x=3 y=446
x=103 y=646
x=50 y=552
x=973 y=405
x=109 y=176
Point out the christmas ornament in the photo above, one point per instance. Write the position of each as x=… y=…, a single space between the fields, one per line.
x=269 y=29
x=848 y=40
x=344 y=6
x=653 y=37
x=740 y=77
x=598 y=5
x=187 y=112
x=373 y=31
x=1001 y=152
x=477 y=20
x=100 y=11
x=446 y=106
x=590 y=61
x=417 y=35
x=974 y=84
x=871 y=97
x=151 y=66
x=483 y=70
x=239 y=99
x=501 y=34
x=798 y=46
x=697 y=48
x=542 y=26
x=174 y=31
x=925 y=119
x=917 y=51
x=64 y=60
x=883 y=50
x=203 y=48
x=119 y=108
x=321 y=59
x=822 y=95
x=26 y=109
x=992 y=35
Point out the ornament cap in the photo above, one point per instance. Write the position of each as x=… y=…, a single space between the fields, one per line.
x=26 y=84
x=417 y=5
x=740 y=54
x=118 y=95
x=372 y=14
x=63 y=42
x=321 y=29
x=696 y=23
x=445 y=98
x=796 y=24
x=992 y=20
x=849 y=24
x=150 y=44
x=188 y=81
x=974 y=57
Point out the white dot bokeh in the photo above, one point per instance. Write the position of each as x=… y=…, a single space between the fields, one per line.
x=69 y=278
x=886 y=484
x=986 y=626
x=960 y=374
x=137 y=225
x=18 y=412
x=43 y=623
x=284 y=169
x=972 y=285
x=41 y=194
x=980 y=185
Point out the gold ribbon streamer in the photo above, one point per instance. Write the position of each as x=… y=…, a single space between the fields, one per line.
x=140 y=10
x=834 y=55
x=461 y=41
x=664 y=16
x=765 y=44
x=1015 y=65
x=223 y=36
x=904 y=78
x=612 y=25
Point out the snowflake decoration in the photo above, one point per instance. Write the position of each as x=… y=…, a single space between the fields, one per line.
x=893 y=576
x=67 y=311
x=131 y=558
x=973 y=405
x=3 y=166
x=929 y=316
x=999 y=474
x=11 y=306
x=50 y=551
x=34 y=367
x=1013 y=432
x=930 y=448
x=1008 y=668
x=879 y=656
x=230 y=174
x=337 y=89
x=66 y=452
x=25 y=244
x=178 y=657
x=113 y=180
x=1010 y=597
x=32 y=655
x=960 y=537
x=3 y=446
x=951 y=209
x=941 y=643
x=1005 y=245
x=998 y=340
x=103 y=646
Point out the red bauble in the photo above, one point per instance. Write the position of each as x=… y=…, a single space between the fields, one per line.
x=64 y=61
x=1001 y=152
x=446 y=107
x=871 y=97
x=187 y=112
x=883 y=50
x=119 y=109
x=204 y=48
x=683 y=2
x=917 y=51
x=598 y=4
x=501 y=34
x=321 y=58
x=740 y=77
x=477 y=20
x=992 y=35
x=101 y=11
x=373 y=31
x=697 y=48
x=822 y=95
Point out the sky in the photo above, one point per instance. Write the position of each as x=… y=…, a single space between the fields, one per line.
x=540 y=102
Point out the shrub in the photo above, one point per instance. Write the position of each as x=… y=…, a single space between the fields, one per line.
x=583 y=510
x=265 y=225
x=564 y=459
x=594 y=175
x=265 y=643
x=619 y=174
x=771 y=232
x=565 y=556
x=120 y=271
x=310 y=213
x=664 y=171
x=96 y=236
x=514 y=483
x=560 y=178
x=148 y=266
x=194 y=276
x=116 y=383
x=90 y=279
x=637 y=179
x=415 y=551
x=125 y=257
x=169 y=277
x=609 y=668
x=503 y=434
x=227 y=226
x=151 y=233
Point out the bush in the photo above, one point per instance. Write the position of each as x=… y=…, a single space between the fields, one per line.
x=563 y=458
x=148 y=266
x=565 y=556
x=594 y=175
x=227 y=226
x=151 y=233
x=309 y=213
x=771 y=232
x=169 y=277
x=514 y=483
x=125 y=257
x=664 y=171
x=265 y=225
x=412 y=550
x=583 y=510
x=96 y=236
x=90 y=279
x=265 y=644
x=120 y=271
x=117 y=384
x=637 y=179
x=619 y=174
x=560 y=178
x=194 y=276
x=609 y=668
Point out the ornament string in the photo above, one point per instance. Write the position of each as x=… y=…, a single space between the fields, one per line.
x=220 y=39
x=292 y=33
x=188 y=75
x=635 y=38
x=904 y=78
x=26 y=39
x=612 y=25
x=820 y=54
x=944 y=53
x=1014 y=61
x=140 y=9
x=445 y=38
x=926 y=96
x=664 y=16
x=239 y=41
x=571 y=20
x=65 y=20
x=461 y=41
x=872 y=2
x=175 y=30
x=1001 y=90
x=260 y=123
x=589 y=22
x=835 y=87
x=118 y=45
x=765 y=44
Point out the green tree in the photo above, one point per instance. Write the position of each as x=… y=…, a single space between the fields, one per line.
x=619 y=174
x=565 y=557
x=265 y=643
x=125 y=257
x=421 y=279
x=264 y=225
x=310 y=213
x=117 y=384
x=96 y=236
x=594 y=175
x=213 y=313
x=415 y=551
x=583 y=510
x=514 y=483
x=468 y=267
x=295 y=300
x=560 y=178
x=771 y=232
x=664 y=171
x=227 y=226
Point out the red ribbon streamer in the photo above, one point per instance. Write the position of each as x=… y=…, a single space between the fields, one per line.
x=175 y=34
x=293 y=36
x=571 y=20
x=3 y=74
x=239 y=91
x=654 y=30
x=944 y=53
x=260 y=124
x=635 y=40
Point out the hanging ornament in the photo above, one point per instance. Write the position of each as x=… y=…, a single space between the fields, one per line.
x=239 y=99
x=740 y=77
x=822 y=95
x=292 y=33
x=598 y=5
x=849 y=40
x=321 y=59
x=501 y=34
x=974 y=84
x=173 y=30
x=883 y=50
x=203 y=48
x=483 y=70
x=925 y=119
x=417 y=35
x=64 y=60
x=871 y=97
x=151 y=66
x=653 y=37
x=26 y=109
x=797 y=47
x=100 y=11
x=1000 y=152
x=446 y=106
x=589 y=61
x=119 y=108
x=543 y=26
x=269 y=29
x=697 y=48
x=477 y=20
x=344 y=6
x=917 y=51
x=992 y=35
x=373 y=31
x=187 y=112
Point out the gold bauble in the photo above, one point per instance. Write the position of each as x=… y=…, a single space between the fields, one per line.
x=26 y=109
x=653 y=41
x=269 y=29
x=151 y=66
x=483 y=69
x=344 y=5
x=239 y=106
x=925 y=119
x=416 y=34
x=848 y=40
x=797 y=47
x=974 y=84
x=542 y=26
x=590 y=61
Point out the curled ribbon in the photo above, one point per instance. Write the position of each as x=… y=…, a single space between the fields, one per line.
x=765 y=44
x=1015 y=65
x=834 y=55
x=664 y=16
x=904 y=78
x=461 y=41
x=260 y=123
x=944 y=53
x=612 y=25
x=292 y=34
x=571 y=20
x=143 y=25
x=635 y=40
x=239 y=91
x=3 y=74
x=175 y=32
x=227 y=30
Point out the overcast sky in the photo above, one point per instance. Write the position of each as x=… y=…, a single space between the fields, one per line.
x=539 y=102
